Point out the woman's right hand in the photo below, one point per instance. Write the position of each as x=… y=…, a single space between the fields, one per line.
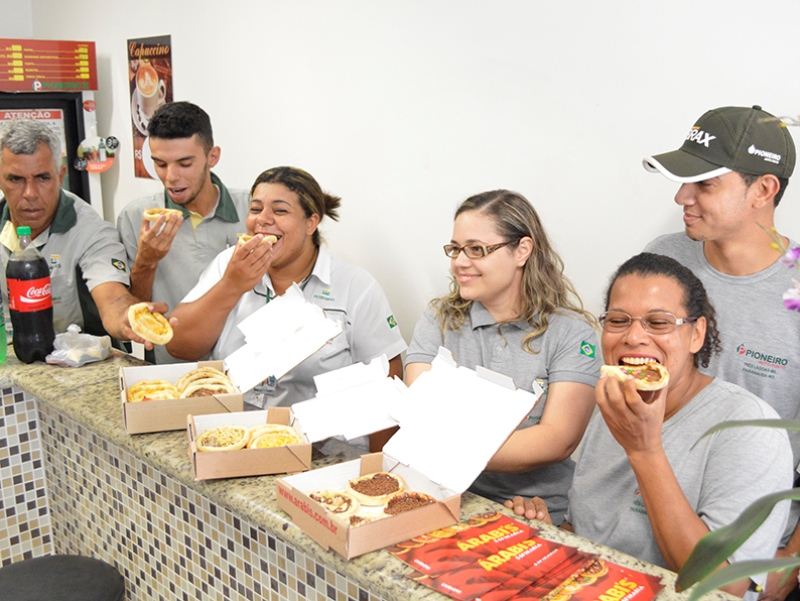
x=249 y=263
x=533 y=509
x=635 y=424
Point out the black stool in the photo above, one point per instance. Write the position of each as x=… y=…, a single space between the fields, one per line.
x=62 y=578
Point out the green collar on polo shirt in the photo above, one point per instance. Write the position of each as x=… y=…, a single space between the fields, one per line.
x=226 y=210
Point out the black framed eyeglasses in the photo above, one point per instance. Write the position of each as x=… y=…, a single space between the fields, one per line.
x=658 y=322
x=473 y=251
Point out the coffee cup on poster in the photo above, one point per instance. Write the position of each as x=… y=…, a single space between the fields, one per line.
x=151 y=90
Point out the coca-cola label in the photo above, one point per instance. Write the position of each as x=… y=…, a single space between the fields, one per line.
x=27 y=296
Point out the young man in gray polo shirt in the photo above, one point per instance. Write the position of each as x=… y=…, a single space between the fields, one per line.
x=87 y=263
x=166 y=262
x=733 y=167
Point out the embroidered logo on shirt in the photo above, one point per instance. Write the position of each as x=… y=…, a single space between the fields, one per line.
x=391 y=321
x=118 y=264
x=324 y=295
x=587 y=349
x=55 y=262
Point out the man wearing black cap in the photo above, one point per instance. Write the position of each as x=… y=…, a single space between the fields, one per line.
x=733 y=167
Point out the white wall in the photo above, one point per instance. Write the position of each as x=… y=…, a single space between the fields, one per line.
x=405 y=108
x=16 y=19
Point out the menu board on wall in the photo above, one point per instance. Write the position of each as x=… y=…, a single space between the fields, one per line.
x=47 y=66
x=150 y=79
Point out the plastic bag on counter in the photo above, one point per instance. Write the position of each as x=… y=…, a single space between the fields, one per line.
x=73 y=349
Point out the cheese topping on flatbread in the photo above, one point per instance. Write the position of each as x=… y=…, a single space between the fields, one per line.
x=224 y=438
x=276 y=438
x=152 y=390
x=151 y=326
x=163 y=394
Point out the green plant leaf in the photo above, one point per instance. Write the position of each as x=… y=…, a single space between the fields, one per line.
x=716 y=547
x=781 y=424
x=738 y=571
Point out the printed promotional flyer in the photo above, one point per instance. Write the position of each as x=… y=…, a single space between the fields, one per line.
x=492 y=557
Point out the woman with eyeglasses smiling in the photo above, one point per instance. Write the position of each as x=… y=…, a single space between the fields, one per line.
x=511 y=309
x=646 y=483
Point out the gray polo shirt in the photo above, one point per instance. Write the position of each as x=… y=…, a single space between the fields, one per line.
x=82 y=251
x=567 y=352
x=193 y=247
x=719 y=475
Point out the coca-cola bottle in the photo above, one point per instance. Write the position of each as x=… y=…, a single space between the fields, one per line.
x=30 y=301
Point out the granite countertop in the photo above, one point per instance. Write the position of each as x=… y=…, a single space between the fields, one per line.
x=90 y=395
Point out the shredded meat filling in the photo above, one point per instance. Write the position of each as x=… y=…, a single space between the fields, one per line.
x=406 y=502
x=379 y=484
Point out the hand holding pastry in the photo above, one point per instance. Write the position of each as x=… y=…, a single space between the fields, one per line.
x=150 y=325
x=159 y=228
x=250 y=261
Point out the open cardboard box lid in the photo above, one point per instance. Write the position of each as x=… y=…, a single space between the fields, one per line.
x=456 y=412
x=452 y=421
x=448 y=411
x=279 y=336
x=352 y=401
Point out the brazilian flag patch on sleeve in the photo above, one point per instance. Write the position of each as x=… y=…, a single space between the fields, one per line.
x=587 y=349
x=118 y=264
x=391 y=321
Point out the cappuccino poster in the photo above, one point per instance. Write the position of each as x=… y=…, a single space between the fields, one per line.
x=150 y=77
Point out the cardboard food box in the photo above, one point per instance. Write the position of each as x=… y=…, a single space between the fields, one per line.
x=162 y=416
x=247 y=462
x=297 y=329
x=452 y=421
x=352 y=401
